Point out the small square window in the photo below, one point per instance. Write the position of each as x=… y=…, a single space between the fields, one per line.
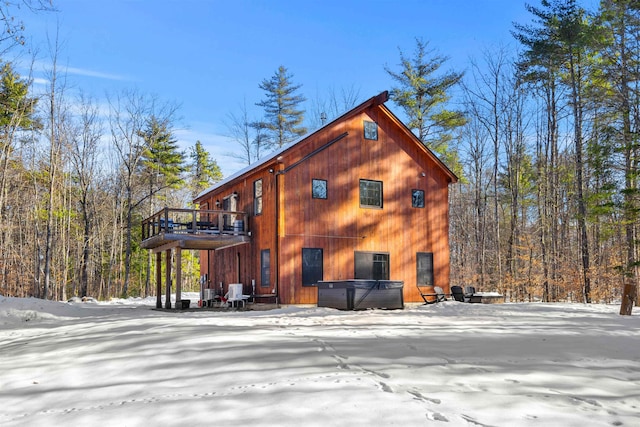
x=370 y=193
x=319 y=188
x=370 y=130
x=417 y=198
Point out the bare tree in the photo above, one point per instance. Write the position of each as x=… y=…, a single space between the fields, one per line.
x=326 y=108
x=56 y=114
x=13 y=33
x=130 y=112
x=488 y=102
x=85 y=162
x=248 y=134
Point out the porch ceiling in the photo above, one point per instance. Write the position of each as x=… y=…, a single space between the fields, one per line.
x=163 y=241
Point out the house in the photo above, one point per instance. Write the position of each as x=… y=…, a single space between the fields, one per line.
x=360 y=198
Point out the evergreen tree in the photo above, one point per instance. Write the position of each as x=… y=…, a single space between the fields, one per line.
x=423 y=95
x=204 y=170
x=16 y=113
x=161 y=167
x=283 y=116
x=162 y=163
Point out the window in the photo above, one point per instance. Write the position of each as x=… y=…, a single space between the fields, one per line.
x=424 y=264
x=372 y=266
x=311 y=266
x=370 y=130
x=257 y=197
x=370 y=193
x=265 y=268
x=417 y=198
x=318 y=188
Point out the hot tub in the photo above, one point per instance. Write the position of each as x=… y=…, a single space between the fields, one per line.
x=358 y=294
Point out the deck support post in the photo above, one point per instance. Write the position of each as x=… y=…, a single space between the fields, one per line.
x=178 y=276
x=167 y=301
x=159 y=280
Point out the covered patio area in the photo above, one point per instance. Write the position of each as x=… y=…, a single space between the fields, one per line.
x=170 y=230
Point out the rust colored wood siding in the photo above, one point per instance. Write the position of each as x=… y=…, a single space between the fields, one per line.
x=340 y=226
x=339 y=154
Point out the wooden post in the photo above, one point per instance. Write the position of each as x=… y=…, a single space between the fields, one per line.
x=178 y=276
x=629 y=294
x=159 y=280
x=167 y=301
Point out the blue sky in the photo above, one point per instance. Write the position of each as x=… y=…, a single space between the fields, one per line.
x=209 y=56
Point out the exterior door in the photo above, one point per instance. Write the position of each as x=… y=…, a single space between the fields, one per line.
x=229 y=203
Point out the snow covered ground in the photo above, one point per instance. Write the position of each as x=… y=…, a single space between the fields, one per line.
x=450 y=364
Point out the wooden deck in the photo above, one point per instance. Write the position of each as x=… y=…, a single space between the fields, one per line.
x=194 y=229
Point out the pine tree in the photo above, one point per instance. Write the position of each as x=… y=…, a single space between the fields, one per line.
x=162 y=163
x=16 y=115
x=161 y=166
x=283 y=116
x=423 y=95
x=204 y=170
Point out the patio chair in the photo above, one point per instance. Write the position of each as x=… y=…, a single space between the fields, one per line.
x=235 y=296
x=458 y=293
x=469 y=291
x=434 y=297
x=470 y=295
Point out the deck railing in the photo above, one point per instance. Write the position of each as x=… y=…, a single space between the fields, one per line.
x=195 y=221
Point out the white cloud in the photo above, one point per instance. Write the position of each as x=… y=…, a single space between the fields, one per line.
x=97 y=74
x=44 y=67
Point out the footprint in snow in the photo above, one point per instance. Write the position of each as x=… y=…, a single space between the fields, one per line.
x=379 y=374
x=420 y=396
x=341 y=364
x=436 y=416
x=384 y=387
x=472 y=421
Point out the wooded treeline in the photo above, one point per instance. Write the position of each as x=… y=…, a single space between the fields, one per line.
x=549 y=209
x=543 y=134
x=75 y=184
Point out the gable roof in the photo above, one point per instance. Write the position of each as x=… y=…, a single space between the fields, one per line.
x=377 y=100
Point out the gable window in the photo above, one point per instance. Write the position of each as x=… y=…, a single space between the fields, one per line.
x=371 y=265
x=370 y=194
x=265 y=268
x=417 y=198
x=424 y=268
x=319 y=188
x=257 y=197
x=370 y=130
x=312 y=271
